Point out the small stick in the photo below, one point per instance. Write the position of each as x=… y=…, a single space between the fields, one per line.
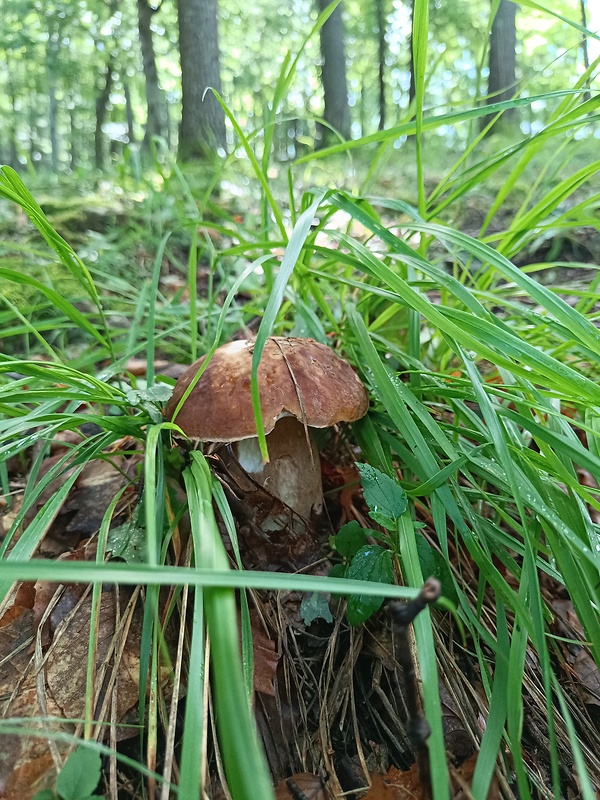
x=403 y=614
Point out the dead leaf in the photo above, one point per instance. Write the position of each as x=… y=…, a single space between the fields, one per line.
x=66 y=665
x=24 y=599
x=265 y=658
x=382 y=790
x=302 y=785
x=586 y=670
x=26 y=766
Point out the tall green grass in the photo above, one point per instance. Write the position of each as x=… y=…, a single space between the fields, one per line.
x=486 y=408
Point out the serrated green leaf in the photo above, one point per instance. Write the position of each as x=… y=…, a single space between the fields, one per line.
x=371 y=563
x=349 y=539
x=80 y=774
x=385 y=497
x=315 y=606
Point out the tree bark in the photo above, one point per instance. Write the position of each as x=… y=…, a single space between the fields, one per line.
x=156 y=119
x=381 y=47
x=584 y=46
x=13 y=158
x=412 y=88
x=503 y=59
x=101 y=103
x=52 y=46
x=129 y=114
x=333 y=73
x=202 y=129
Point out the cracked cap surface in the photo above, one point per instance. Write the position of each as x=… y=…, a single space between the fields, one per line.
x=300 y=377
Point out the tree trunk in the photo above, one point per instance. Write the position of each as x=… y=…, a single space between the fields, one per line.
x=584 y=46
x=503 y=59
x=101 y=103
x=156 y=119
x=13 y=158
x=51 y=68
x=129 y=114
x=333 y=73
x=380 y=12
x=202 y=128
x=73 y=154
x=412 y=89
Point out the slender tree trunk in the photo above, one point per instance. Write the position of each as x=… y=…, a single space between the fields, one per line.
x=33 y=145
x=73 y=154
x=503 y=59
x=51 y=67
x=156 y=119
x=412 y=89
x=584 y=44
x=13 y=158
x=129 y=114
x=101 y=104
x=381 y=25
x=202 y=128
x=333 y=73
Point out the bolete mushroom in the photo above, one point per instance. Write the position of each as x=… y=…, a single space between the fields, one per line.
x=302 y=385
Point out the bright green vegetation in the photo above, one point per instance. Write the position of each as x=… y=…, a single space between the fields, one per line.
x=485 y=402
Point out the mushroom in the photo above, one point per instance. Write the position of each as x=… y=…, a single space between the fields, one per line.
x=302 y=385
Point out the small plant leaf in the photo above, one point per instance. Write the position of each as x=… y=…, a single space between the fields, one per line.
x=371 y=563
x=385 y=497
x=80 y=774
x=315 y=606
x=433 y=563
x=338 y=571
x=45 y=794
x=349 y=539
x=128 y=541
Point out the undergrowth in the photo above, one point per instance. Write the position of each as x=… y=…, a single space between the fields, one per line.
x=485 y=409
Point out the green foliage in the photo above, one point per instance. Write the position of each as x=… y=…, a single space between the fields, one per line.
x=78 y=778
x=385 y=497
x=370 y=563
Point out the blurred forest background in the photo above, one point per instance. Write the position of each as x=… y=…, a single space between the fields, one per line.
x=87 y=83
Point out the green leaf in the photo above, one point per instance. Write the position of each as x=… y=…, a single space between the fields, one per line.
x=315 y=606
x=128 y=541
x=45 y=794
x=371 y=563
x=349 y=539
x=80 y=774
x=338 y=571
x=385 y=497
x=434 y=564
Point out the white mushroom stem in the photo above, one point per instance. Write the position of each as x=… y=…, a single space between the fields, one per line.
x=293 y=472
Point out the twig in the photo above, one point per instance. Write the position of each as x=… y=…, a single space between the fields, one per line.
x=403 y=614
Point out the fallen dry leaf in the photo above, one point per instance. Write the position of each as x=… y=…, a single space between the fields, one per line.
x=303 y=785
x=26 y=765
x=382 y=790
x=66 y=664
x=586 y=670
x=265 y=658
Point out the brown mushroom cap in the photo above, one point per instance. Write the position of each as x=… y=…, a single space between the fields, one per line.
x=296 y=376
